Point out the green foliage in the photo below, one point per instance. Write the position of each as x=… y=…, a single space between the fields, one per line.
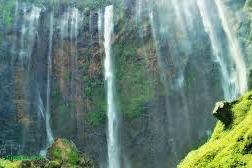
x=249 y=4
x=64 y=150
x=96 y=118
x=98 y=114
x=7 y=9
x=57 y=153
x=9 y=164
x=67 y=75
x=133 y=87
x=58 y=104
x=73 y=157
x=93 y=85
x=63 y=109
x=56 y=96
x=228 y=147
x=95 y=92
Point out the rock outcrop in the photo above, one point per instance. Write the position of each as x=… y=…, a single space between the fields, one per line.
x=223 y=112
x=228 y=147
x=62 y=154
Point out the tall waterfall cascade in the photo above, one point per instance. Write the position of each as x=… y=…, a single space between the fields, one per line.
x=29 y=24
x=178 y=30
x=48 y=92
x=49 y=133
x=132 y=84
x=235 y=50
x=112 y=139
x=74 y=28
x=229 y=85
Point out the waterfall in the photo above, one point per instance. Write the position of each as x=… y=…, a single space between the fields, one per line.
x=74 y=27
x=100 y=25
x=49 y=133
x=234 y=48
x=63 y=26
x=177 y=36
x=113 y=149
x=48 y=91
x=14 y=45
x=29 y=23
x=139 y=6
x=69 y=29
x=229 y=86
x=41 y=107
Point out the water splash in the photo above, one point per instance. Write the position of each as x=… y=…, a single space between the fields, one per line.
x=113 y=149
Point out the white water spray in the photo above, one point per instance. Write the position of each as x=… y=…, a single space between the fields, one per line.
x=113 y=150
x=41 y=107
x=234 y=48
x=48 y=91
x=28 y=33
x=49 y=133
x=100 y=25
x=230 y=88
x=74 y=29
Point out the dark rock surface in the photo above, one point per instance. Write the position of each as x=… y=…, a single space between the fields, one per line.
x=222 y=111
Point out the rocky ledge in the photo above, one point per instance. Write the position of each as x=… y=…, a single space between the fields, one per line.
x=231 y=142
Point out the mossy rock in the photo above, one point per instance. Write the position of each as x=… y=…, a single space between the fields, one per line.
x=63 y=150
x=229 y=147
x=62 y=154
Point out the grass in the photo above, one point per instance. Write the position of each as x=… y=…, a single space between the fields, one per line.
x=228 y=147
x=9 y=164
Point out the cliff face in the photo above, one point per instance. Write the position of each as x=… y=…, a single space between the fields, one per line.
x=166 y=82
x=229 y=145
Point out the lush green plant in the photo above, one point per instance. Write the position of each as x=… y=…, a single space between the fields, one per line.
x=249 y=4
x=73 y=157
x=96 y=118
x=94 y=90
x=98 y=115
x=133 y=86
x=57 y=153
x=67 y=75
x=229 y=146
x=63 y=109
x=9 y=164
x=65 y=151
x=7 y=9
